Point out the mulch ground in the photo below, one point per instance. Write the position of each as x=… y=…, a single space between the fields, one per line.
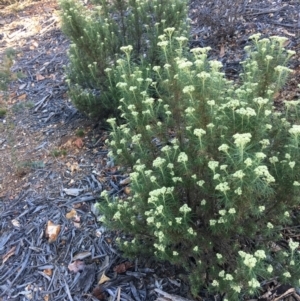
x=53 y=163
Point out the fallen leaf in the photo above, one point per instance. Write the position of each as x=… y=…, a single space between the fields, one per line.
x=39 y=77
x=52 y=231
x=123 y=267
x=72 y=191
x=78 y=142
x=287 y=42
x=82 y=255
x=99 y=293
x=71 y=214
x=76 y=225
x=22 y=96
x=73 y=167
x=78 y=205
x=125 y=181
x=288 y=33
x=76 y=266
x=103 y=279
x=46 y=297
x=127 y=190
x=21 y=87
x=222 y=51
x=48 y=272
x=8 y=254
x=52 y=76
x=16 y=223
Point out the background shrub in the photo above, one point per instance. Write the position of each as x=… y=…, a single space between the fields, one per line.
x=214 y=167
x=98 y=32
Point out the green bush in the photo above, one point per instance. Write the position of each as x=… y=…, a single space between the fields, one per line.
x=97 y=35
x=215 y=172
x=6 y=75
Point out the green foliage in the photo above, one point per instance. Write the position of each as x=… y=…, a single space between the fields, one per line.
x=80 y=133
x=97 y=35
x=2 y=112
x=6 y=76
x=215 y=172
x=58 y=153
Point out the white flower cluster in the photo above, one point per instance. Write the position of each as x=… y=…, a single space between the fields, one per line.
x=246 y=112
x=273 y=160
x=182 y=157
x=264 y=143
x=293 y=245
x=240 y=140
x=248 y=259
x=254 y=283
x=223 y=187
x=203 y=75
x=260 y=254
x=154 y=194
x=199 y=132
x=223 y=148
x=238 y=174
x=126 y=49
x=158 y=162
x=295 y=130
x=188 y=89
x=189 y=110
x=200 y=183
x=185 y=209
x=261 y=101
x=260 y=155
x=213 y=165
x=248 y=162
x=262 y=171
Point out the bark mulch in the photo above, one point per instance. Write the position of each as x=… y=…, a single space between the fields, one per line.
x=54 y=165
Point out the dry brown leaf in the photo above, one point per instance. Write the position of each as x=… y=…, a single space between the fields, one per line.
x=78 y=143
x=127 y=190
x=48 y=272
x=222 y=51
x=125 y=181
x=52 y=76
x=71 y=214
x=22 y=96
x=286 y=43
x=78 y=205
x=52 y=231
x=39 y=77
x=288 y=33
x=76 y=266
x=98 y=293
x=46 y=297
x=103 y=279
x=8 y=254
x=73 y=167
x=123 y=267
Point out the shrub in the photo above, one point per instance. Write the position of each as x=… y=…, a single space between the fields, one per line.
x=6 y=75
x=215 y=172
x=97 y=35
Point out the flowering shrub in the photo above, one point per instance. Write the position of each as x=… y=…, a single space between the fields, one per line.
x=215 y=172
x=98 y=32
